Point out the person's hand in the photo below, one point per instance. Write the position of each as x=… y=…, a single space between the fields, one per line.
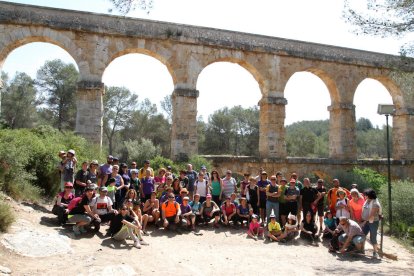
x=115 y=212
x=177 y=219
x=258 y=203
x=342 y=251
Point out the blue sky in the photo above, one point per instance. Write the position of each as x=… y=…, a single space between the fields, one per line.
x=221 y=84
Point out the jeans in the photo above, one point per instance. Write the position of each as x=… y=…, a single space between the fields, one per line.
x=272 y=206
x=372 y=229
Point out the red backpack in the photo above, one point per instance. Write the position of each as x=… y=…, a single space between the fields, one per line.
x=74 y=202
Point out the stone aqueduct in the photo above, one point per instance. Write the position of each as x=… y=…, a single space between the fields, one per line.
x=94 y=40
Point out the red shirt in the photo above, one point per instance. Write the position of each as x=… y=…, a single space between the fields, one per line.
x=228 y=209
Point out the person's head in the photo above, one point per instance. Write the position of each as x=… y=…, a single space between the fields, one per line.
x=200 y=176
x=370 y=194
x=169 y=190
x=341 y=193
x=306 y=182
x=68 y=187
x=147 y=173
x=243 y=201
x=169 y=180
x=133 y=165
x=228 y=200
x=132 y=194
x=272 y=218
x=146 y=163
x=294 y=175
x=233 y=196
x=89 y=191
x=70 y=153
x=292 y=219
x=103 y=191
x=343 y=221
x=263 y=175
x=255 y=218
x=189 y=167
x=196 y=197
x=320 y=182
x=355 y=194
x=94 y=164
x=115 y=161
x=109 y=159
x=328 y=215
x=130 y=203
x=253 y=180
x=169 y=168
x=335 y=183
x=115 y=169
x=183 y=192
x=62 y=154
x=134 y=173
x=261 y=169
x=273 y=179
x=228 y=173
x=186 y=199
x=215 y=175
x=208 y=197
x=183 y=173
x=112 y=181
x=124 y=167
x=203 y=169
x=308 y=217
x=153 y=196
x=279 y=176
x=283 y=181
x=246 y=176
x=354 y=186
x=176 y=182
x=161 y=171
x=171 y=197
x=292 y=182
x=124 y=210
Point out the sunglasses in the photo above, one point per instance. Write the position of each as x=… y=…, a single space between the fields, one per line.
x=68 y=187
x=273 y=179
x=170 y=197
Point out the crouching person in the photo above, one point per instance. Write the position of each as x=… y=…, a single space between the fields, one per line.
x=352 y=237
x=123 y=226
x=82 y=214
x=102 y=205
x=187 y=216
x=60 y=209
x=170 y=213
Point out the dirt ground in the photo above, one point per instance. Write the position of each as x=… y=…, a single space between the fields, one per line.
x=217 y=251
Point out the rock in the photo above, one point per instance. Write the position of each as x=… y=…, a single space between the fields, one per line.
x=4 y=270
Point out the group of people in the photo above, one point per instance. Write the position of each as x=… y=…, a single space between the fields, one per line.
x=129 y=199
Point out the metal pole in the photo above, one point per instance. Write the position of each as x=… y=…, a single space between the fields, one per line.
x=389 y=175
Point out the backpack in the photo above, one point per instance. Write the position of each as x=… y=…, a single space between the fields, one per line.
x=74 y=202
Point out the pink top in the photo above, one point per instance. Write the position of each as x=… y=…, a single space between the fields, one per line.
x=159 y=179
x=357 y=208
x=254 y=227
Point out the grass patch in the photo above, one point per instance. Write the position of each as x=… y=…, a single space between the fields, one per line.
x=6 y=217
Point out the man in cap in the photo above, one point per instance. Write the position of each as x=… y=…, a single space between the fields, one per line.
x=292 y=194
x=353 y=235
x=105 y=171
x=171 y=212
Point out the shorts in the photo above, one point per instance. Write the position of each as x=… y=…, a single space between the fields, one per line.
x=292 y=207
x=358 y=239
x=320 y=211
x=79 y=218
x=283 y=210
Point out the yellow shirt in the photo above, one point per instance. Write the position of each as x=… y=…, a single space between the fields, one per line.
x=142 y=174
x=274 y=227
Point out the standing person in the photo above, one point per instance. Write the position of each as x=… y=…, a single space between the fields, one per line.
x=192 y=177
x=105 y=171
x=133 y=167
x=243 y=184
x=292 y=194
x=272 y=200
x=143 y=171
x=333 y=196
x=127 y=180
x=298 y=185
x=62 y=156
x=81 y=179
x=262 y=184
x=319 y=202
x=69 y=166
x=355 y=205
x=259 y=175
x=229 y=184
x=183 y=179
x=123 y=226
x=63 y=199
x=371 y=214
x=201 y=187
x=283 y=210
x=176 y=186
x=253 y=193
x=209 y=209
x=170 y=213
x=160 y=180
x=135 y=183
x=308 y=195
x=119 y=184
x=148 y=185
x=342 y=208
x=206 y=173
x=82 y=214
x=93 y=171
x=216 y=187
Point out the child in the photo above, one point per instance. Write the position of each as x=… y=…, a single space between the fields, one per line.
x=291 y=229
x=254 y=228
x=308 y=228
x=330 y=225
x=112 y=190
x=274 y=229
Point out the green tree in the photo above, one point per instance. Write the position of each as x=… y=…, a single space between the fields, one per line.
x=382 y=18
x=119 y=103
x=363 y=124
x=19 y=102
x=57 y=82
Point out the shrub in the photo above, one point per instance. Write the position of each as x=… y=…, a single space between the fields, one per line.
x=140 y=151
x=6 y=217
x=365 y=178
x=161 y=162
x=197 y=161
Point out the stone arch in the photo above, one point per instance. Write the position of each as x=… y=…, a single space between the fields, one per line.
x=242 y=63
x=328 y=80
x=54 y=38
x=147 y=52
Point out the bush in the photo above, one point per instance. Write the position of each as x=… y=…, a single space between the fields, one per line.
x=6 y=217
x=139 y=151
x=161 y=162
x=197 y=161
x=402 y=196
x=365 y=178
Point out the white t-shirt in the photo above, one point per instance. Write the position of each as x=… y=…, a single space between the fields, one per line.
x=100 y=205
x=342 y=212
x=201 y=187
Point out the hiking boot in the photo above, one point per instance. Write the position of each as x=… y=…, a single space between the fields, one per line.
x=137 y=245
x=143 y=242
x=76 y=230
x=375 y=255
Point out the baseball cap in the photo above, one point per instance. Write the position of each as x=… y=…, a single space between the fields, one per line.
x=208 y=196
x=203 y=167
x=186 y=198
x=71 y=151
x=103 y=189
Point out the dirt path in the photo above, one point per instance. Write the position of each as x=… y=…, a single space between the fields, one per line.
x=222 y=251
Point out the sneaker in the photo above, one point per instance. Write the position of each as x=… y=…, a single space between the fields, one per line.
x=76 y=230
x=82 y=229
x=145 y=233
x=142 y=242
x=375 y=255
x=283 y=241
x=137 y=245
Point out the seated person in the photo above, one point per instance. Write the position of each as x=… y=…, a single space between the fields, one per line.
x=209 y=209
x=229 y=211
x=274 y=229
x=183 y=193
x=82 y=214
x=151 y=211
x=352 y=235
x=102 y=205
x=196 y=207
x=308 y=228
x=330 y=225
x=255 y=230
x=187 y=216
x=164 y=196
x=170 y=213
x=291 y=229
x=234 y=199
x=62 y=201
x=123 y=225
x=244 y=211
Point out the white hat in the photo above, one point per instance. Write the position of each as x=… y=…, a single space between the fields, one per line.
x=291 y=216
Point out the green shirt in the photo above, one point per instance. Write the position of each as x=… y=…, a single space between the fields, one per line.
x=216 y=188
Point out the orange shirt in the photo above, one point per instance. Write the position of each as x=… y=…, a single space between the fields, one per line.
x=333 y=196
x=169 y=209
x=357 y=208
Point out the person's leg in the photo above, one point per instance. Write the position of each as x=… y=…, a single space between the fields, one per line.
x=373 y=231
x=59 y=211
x=269 y=208
x=144 y=223
x=156 y=214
